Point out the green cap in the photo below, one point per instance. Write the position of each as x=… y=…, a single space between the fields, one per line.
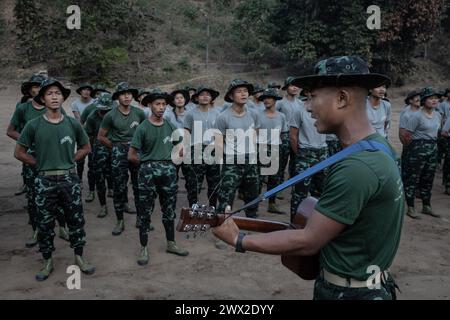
x=237 y=83
x=35 y=79
x=84 y=86
x=257 y=88
x=49 y=82
x=428 y=92
x=156 y=94
x=214 y=94
x=342 y=71
x=270 y=93
x=105 y=102
x=124 y=87
x=273 y=85
x=99 y=88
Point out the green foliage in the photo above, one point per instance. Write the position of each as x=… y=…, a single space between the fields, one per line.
x=108 y=32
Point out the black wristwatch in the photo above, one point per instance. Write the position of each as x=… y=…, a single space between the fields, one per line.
x=239 y=247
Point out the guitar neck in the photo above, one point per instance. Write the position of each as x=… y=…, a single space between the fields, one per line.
x=262 y=226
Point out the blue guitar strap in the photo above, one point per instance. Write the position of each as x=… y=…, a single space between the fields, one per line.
x=363 y=145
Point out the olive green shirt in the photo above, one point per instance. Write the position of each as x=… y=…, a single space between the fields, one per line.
x=54 y=144
x=121 y=127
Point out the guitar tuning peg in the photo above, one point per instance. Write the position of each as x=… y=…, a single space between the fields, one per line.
x=202 y=234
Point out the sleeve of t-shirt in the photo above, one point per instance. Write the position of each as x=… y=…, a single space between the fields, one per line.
x=221 y=124
x=16 y=118
x=81 y=135
x=296 y=119
x=89 y=126
x=256 y=119
x=412 y=123
x=106 y=122
x=142 y=116
x=402 y=120
x=188 y=122
x=75 y=107
x=26 y=138
x=284 y=124
x=446 y=126
x=345 y=194
x=136 y=142
x=388 y=114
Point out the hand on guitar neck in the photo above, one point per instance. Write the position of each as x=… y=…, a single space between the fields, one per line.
x=297 y=243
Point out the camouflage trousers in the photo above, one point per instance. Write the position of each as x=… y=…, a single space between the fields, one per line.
x=243 y=176
x=323 y=290
x=90 y=173
x=120 y=168
x=419 y=169
x=334 y=146
x=157 y=178
x=101 y=157
x=53 y=192
x=446 y=168
x=442 y=147
x=282 y=157
x=30 y=176
x=304 y=159
x=195 y=174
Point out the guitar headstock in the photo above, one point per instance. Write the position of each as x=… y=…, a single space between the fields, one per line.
x=197 y=219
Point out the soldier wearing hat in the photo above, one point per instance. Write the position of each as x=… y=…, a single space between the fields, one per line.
x=446 y=170
x=273 y=141
x=309 y=148
x=191 y=105
x=78 y=106
x=97 y=92
x=29 y=90
x=23 y=114
x=238 y=128
x=379 y=110
x=197 y=122
x=116 y=132
x=444 y=110
x=53 y=137
x=412 y=102
x=101 y=154
x=142 y=92
x=275 y=86
x=357 y=222
x=256 y=104
x=420 y=165
x=151 y=149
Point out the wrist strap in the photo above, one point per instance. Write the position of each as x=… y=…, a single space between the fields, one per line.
x=239 y=247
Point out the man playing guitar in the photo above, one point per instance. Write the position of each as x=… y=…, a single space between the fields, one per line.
x=356 y=224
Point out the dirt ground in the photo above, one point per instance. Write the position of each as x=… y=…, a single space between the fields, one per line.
x=421 y=267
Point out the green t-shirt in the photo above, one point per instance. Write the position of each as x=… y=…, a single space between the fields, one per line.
x=87 y=112
x=26 y=112
x=120 y=127
x=54 y=144
x=92 y=125
x=365 y=192
x=154 y=142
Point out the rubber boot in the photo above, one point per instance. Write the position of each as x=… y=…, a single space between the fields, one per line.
x=129 y=209
x=427 y=210
x=63 y=234
x=172 y=247
x=103 y=212
x=46 y=270
x=143 y=256
x=118 y=229
x=85 y=267
x=413 y=213
x=274 y=209
x=33 y=240
x=90 y=197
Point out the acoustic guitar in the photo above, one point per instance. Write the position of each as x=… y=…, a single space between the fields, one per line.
x=200 y=218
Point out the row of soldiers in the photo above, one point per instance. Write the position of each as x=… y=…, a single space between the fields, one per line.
x=137 y=142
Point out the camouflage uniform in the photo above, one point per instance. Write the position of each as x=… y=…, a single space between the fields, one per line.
x=157 y=178
x=102 y=169
x=334 y=146
x=419 y=169
x=90 y=173
x=120 y=167
x=306 y=158
x=195 y=174
x=243 y=176
x=54 y=191
x=283 y=156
